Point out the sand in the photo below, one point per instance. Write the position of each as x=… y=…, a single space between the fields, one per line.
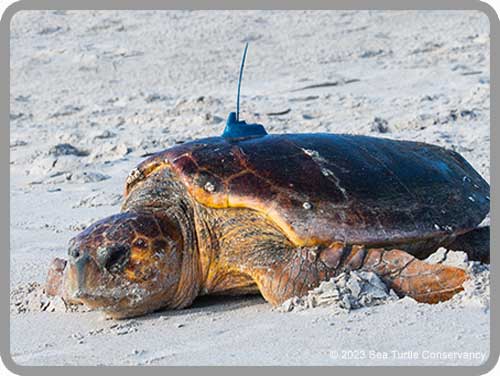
x=93 y=92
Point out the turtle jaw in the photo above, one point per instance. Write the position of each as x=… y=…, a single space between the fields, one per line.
x=87 y=283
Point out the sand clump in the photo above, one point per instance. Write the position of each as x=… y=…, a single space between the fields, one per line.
x=67 y=149
x=31 y=297
x=348 y=291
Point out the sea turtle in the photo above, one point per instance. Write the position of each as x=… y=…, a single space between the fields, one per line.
x=252 y=212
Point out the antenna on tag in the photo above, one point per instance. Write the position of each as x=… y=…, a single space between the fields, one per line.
x=234 y=127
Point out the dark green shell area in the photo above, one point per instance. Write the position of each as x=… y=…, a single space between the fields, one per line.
x=329 y=187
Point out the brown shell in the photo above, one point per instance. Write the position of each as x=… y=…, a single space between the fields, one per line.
x=321 y=188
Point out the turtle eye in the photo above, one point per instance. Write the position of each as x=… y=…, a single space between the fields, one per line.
x=113 y=258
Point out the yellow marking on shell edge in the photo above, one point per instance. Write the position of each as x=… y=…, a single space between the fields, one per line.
x=212 y=200
x=224 y=201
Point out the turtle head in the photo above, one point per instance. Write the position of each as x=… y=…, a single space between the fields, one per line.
x=126 y=264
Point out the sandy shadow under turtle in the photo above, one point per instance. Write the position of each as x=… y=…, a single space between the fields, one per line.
x=212 y=304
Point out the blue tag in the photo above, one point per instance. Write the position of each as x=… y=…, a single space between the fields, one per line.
x=240 y=129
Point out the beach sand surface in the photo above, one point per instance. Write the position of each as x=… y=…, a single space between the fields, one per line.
x=92 y=92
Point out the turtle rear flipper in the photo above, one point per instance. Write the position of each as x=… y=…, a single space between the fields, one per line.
x=475 y=243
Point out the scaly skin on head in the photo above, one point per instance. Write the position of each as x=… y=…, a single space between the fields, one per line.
x=127 y=264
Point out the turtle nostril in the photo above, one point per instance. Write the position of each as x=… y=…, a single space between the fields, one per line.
x=74 y=253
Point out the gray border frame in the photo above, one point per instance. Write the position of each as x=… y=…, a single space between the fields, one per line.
x=218 y=5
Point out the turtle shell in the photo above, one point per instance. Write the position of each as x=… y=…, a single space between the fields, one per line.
x=320 y=188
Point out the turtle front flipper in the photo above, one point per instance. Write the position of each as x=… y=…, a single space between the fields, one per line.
x=407 y=275
x=296 y=272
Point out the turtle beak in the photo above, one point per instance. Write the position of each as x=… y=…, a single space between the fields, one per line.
x=83 y=273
